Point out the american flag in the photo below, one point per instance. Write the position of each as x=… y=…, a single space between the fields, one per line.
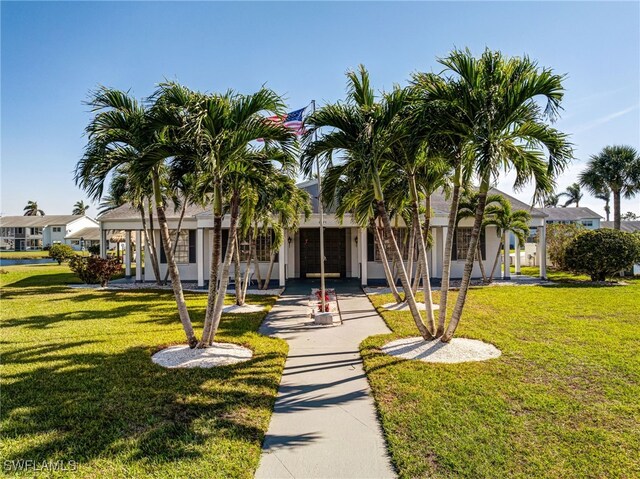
x=292 y=120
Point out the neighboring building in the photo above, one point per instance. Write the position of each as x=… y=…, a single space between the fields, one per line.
x=20 y=233
x=569 y=215
x=84 y=237
x=629 y=227
x=350 y=251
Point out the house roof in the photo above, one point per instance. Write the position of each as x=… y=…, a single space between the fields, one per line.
x=439 y=203
x=126 y=212
x=570 y=214
x=89 y=233
x=628 y=226
x=37 y=221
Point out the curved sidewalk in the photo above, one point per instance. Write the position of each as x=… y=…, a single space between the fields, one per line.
x=324 y=423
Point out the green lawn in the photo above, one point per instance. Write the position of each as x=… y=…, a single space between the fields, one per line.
x=23 y=254
x=561 y=401
x=78 y=383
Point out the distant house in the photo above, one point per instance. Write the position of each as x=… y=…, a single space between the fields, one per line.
x=582 y=215
x=20 y=233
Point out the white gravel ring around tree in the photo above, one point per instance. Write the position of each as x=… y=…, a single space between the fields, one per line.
x=245 y=308
x=458 y=350
x=404 y=306
x=219 y=354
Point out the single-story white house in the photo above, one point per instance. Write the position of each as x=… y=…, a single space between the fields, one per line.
x=350 y=251
x=20 y=233
x=573 y=215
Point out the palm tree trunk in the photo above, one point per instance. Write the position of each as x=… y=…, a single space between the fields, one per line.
x=385 y=262
x=616 y=209
x=468 y=266
x=417 y=276
x=152 y=251
x=267 y=279
x=256 y=262
x=171 y=264
x=424 y=262
x=215 y=264
x=238 y=276
x=481 y=263
x=175 y=241
x=224 y=277
x=393 y=247
x=446 y=257
x=412 y=246
x=495 y=262
x=153 y=247
x=247 y=275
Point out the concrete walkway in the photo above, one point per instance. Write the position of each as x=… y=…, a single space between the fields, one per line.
x=324 y=424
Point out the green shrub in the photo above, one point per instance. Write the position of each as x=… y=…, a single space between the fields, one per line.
x=61 y=252
x=94 y=249
x=559 y=237
x=602 y=253
x=94 y=270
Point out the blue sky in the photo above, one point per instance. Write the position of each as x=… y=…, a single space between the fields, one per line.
x=54 y=53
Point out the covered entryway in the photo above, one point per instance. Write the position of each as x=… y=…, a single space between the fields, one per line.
x=335 y=265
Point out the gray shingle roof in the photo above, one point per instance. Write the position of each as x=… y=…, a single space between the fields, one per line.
x=90 y=233
x=628 y=226
x=441 y=205
x=126 y=212
x=570 y=214
x=37 y=221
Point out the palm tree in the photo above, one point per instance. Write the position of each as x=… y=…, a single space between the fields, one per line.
x=506 y=221
x=616 y=168
x=573 y=194
x=605 y=195
x=364 y=130
x=32 y=209
x=551 y=200
x=220 y=130
x=467 y=209
x=80 y=208
x=125 y=137
x=506 y=129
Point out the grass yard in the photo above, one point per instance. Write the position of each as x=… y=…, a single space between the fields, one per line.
x=561 y=401
x=78 y=383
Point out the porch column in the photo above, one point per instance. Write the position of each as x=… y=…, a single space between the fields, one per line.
x=200 y=256
x=127 y=252
x=517 y=256
x=507 y=255
x=282 y=258
x=542 y=251
x=362 y=244
x=138 y=256
x=103 y=243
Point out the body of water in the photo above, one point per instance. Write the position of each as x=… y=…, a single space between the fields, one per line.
x=12 y=262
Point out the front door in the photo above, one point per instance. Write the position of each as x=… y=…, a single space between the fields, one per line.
x=335 y=264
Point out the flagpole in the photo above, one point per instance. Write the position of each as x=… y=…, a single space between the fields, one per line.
x=321 y=213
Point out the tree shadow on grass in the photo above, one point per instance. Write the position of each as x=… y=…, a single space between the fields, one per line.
x=83 y=404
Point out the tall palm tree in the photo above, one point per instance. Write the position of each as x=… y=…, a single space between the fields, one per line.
x=573 y=194
x=616 y=168
x=506 y=129
x=32 y=209
x=124 y=136
x=80 y=208
x=221 y=129
x=506 y=221
x=363 y=130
